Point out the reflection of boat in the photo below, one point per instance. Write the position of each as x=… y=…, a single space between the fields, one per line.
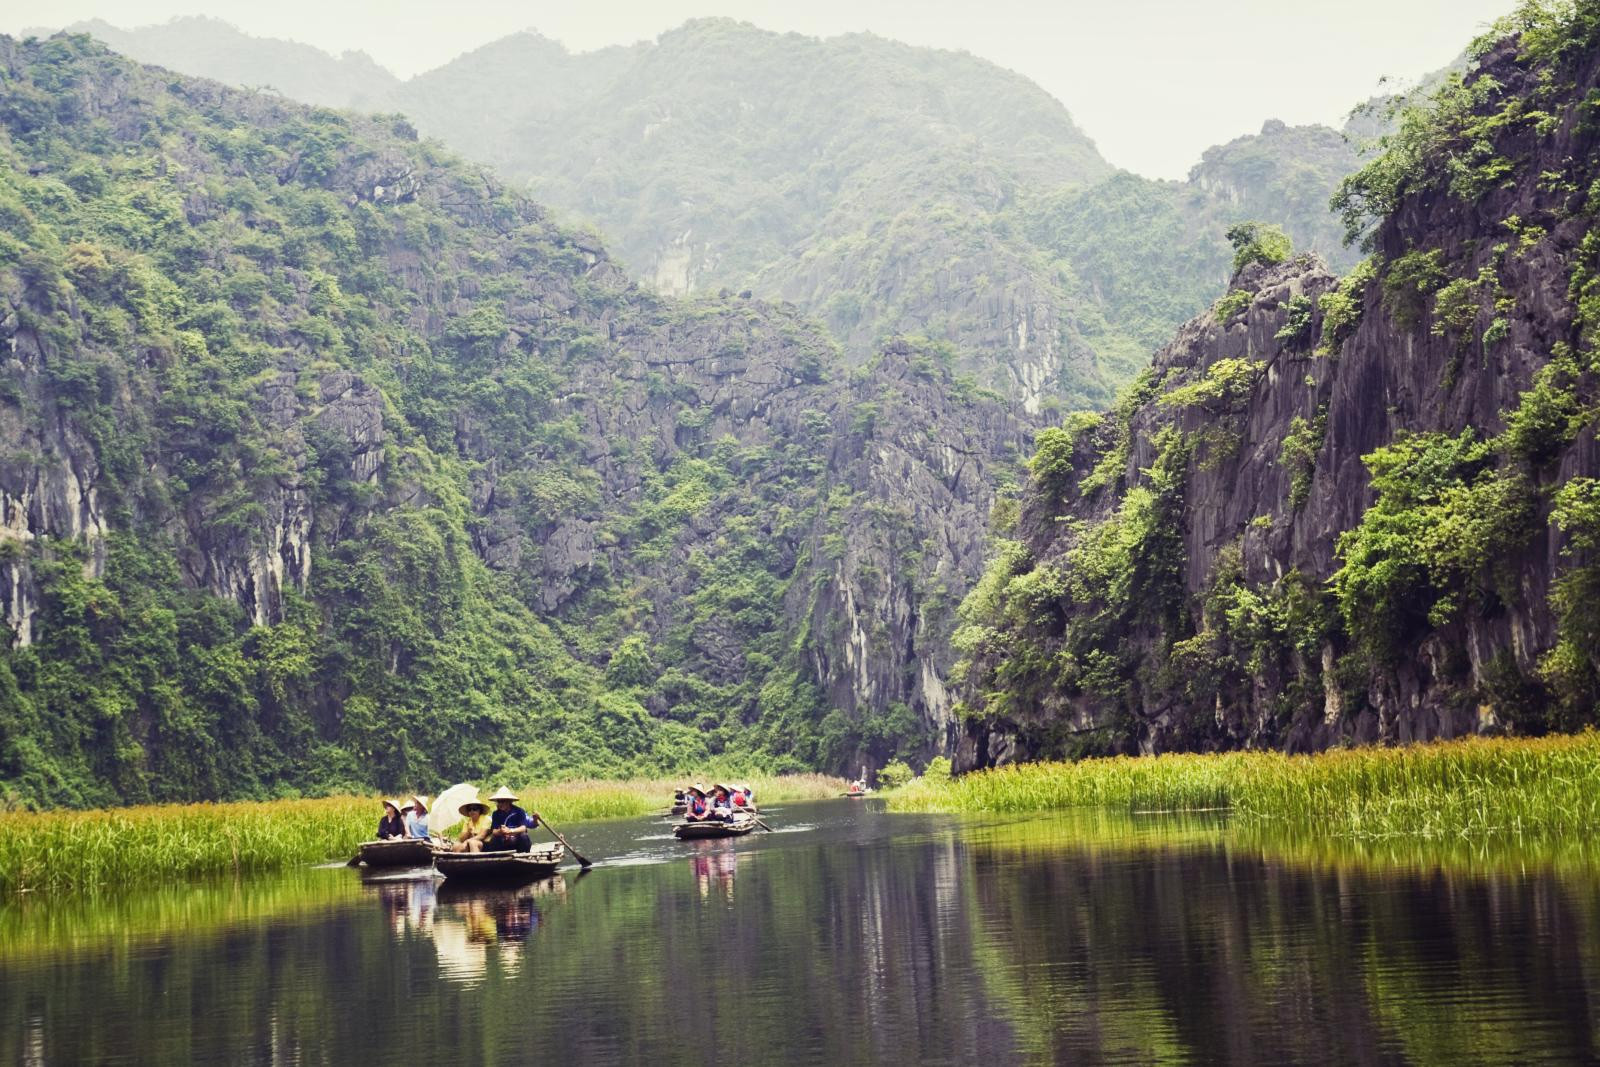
x=398 y=852
x=694 y=831
x=541 y=862
x=475 y=920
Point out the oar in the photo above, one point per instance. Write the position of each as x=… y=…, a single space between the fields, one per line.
x=582 y=862
x=761 y=824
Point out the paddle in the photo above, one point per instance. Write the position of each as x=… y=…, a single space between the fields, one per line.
x=761 y=824
x=582 y=862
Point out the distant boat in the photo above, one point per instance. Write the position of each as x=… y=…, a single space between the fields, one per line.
x=397 y=852
x=692 y=831
x=542 y=862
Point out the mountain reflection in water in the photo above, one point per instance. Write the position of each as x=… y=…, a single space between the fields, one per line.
x=857 y=937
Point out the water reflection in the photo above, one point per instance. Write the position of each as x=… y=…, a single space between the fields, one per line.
x=715 y=864
x=871 y=939
x=471 y=927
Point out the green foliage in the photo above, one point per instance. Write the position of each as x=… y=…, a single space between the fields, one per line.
x=1299 y=315
x=1444 y=515
x=1232 y=304
x=1227 y=384
x=1572 y=667
x=1258 y=242
x=1549 y=415
x=1298 y=454
x=1342 y=307
x=1409 y=281
x=894 y=774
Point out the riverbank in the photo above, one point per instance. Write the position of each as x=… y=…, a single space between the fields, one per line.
x=61 y=850
x=1537 y=787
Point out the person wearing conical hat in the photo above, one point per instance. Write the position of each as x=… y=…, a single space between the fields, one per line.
x=475 y=827
x=417 y=821
x=510 y=827
x=721 y=802
x=392 y=824
x=696 y=806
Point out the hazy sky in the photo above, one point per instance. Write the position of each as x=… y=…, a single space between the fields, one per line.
x=1154 y=82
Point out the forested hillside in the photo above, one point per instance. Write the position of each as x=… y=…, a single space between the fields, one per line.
x=330 y=462
x=1336 y=510
x=888 y=190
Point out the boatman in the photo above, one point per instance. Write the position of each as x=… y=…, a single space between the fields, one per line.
x=510 y=826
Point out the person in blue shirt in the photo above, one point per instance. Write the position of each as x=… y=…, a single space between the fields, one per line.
x=511 y=828
x=417 y=820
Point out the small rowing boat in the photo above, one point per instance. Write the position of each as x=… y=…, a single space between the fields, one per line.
x=542 y=862
x=734 y=827
x=397 y=852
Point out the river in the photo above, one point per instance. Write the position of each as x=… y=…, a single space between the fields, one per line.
x=849 y=936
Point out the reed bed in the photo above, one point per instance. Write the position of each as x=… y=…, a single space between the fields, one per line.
x=54 y=851
x=95 y=849
x=1543 y=787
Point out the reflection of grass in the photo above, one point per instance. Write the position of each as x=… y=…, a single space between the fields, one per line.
x=71 y=922
x=1539 y=787
x=1101 y=833
x=53 y=851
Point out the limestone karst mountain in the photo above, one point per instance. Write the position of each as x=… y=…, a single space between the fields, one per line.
x=1340 y=510
x=886 y=189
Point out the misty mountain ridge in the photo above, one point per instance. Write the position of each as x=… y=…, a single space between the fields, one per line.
x=886 y=189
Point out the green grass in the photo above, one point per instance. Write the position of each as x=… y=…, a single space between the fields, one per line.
x=63 y=850
x=1541 y=787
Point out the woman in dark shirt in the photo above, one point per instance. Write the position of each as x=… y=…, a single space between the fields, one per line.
x=391 y=825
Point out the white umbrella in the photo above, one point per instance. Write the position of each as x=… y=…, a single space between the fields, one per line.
x=446 y=807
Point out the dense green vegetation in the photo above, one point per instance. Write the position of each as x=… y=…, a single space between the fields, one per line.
x=1536 y=789
x=338 y=399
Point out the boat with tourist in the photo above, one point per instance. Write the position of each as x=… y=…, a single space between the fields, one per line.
x=736 y=826
x=397 y=852
x=540 y=862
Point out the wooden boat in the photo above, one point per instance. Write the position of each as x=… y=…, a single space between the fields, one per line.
x=542 y=862
x=694 y=831
x=678 y=808
x=856 y=793
x=397 y=852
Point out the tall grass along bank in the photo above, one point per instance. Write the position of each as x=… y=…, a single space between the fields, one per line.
x=1543 y=786
x=125 y=846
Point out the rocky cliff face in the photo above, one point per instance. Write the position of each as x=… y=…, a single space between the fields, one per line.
x=1336 y=511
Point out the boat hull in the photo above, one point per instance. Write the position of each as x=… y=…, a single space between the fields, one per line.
x=542 y=862
x=401 y=852
x=696 y=831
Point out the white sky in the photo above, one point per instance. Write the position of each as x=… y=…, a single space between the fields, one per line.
x=1154 y=82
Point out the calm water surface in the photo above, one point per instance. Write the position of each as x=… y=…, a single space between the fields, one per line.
x=849 y=937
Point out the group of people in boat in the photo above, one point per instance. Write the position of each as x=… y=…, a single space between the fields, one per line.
x=404 y=818
x=506 y=828
x=720 y=804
